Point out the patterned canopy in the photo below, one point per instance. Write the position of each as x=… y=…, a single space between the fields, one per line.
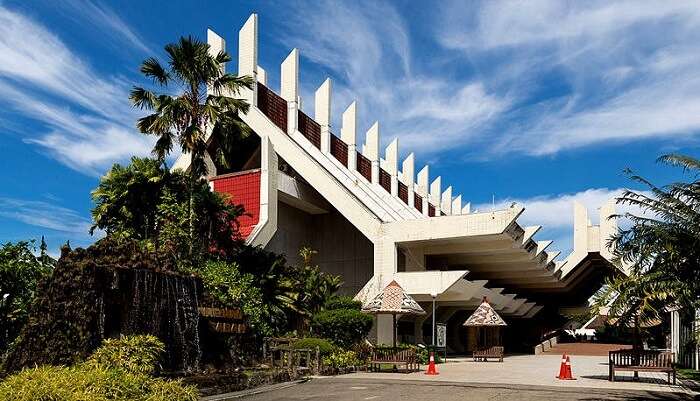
x=393 y=300
x=484 y=315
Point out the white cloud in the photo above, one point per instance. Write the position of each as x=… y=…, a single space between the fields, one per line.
x=555 y=213
x=368 y=47
x=88 y=121
x=623 y=70
x=45 y=215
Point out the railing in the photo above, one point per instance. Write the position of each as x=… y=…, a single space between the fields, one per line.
x=339 y=150
x=403 y=192
x=310 y=129
x=364 y=166
x=273 y=106
x=418 y=202
x=385 y=180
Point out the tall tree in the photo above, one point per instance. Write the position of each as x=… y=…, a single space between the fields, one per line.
x=660 y=250
x=199 y=103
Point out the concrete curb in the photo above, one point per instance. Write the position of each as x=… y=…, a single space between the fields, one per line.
x=252 y=391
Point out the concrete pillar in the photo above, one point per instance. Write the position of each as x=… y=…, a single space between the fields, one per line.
x=371 y=150
x=675 y=332
x=262 y=76
x=348 y=134
x=581 y=224
x=435 y=194
x=446 y=201
x=457 y=205
x=248 y=53
x=608 y=228
x=467 y=208
x=216 y=44
x=290 y=89
x=323 y=114
x=408 y=175
x=422 y=188
x=391 y=156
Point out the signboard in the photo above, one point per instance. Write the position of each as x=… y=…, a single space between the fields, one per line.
x=440 y=335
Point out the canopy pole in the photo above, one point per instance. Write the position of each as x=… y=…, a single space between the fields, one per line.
x=433 y=336
x=393 y=315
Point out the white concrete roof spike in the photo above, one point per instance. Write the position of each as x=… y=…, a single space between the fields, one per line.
x=248 y=47
x=423 y=180
x=348 y=132
x=216 y=43
x=542 y=245
x=408 y=172
x=290 y=77
x=467 y=208
x=391 y=154
x=322 y=103
x=436 y=191
x=371 y=148
x=262 y=76
x=446 y=200
x=457 y=204
x=530 y=232
x=552 y=255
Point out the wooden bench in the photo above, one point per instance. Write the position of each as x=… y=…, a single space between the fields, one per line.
x=484 y=354
x=396 y=357
x=641 y=361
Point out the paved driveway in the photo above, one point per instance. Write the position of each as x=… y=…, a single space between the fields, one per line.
x=345 y=389
x=540 y=370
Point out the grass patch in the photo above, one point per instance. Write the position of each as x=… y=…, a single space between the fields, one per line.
x=690 y=374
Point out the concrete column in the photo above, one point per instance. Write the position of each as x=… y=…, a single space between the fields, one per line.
x=457 y=205
x=675 y=332
x=446 y=201
x=248 y=53
x=408 y=175
x=371 y=150
x=581 y=224
x=391 y=156
x=262 y=76
x=608 y=228
x=348 y=134
x=435 y=194
x=323 y=114
x=290 y=89
x=422 y=188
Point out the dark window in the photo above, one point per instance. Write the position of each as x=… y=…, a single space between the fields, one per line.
x=310 y=129
x=364 y=166
x=403 y=192
x=385 y=180
x=339 y=150
x=431 y=210
x=273 y=106
x=418 y=202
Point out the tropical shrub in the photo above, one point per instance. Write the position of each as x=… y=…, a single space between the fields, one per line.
x=342 y=302
x=341 y=359
x=343 y=327
x=118 y=371
x=325 y=347
x=20 y=272
x=134 y=354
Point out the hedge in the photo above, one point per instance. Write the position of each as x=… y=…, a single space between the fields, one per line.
x=344 y=327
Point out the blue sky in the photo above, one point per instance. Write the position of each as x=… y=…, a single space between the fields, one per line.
x=540 y=102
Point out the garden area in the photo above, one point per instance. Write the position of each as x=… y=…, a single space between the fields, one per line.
x=170 y=302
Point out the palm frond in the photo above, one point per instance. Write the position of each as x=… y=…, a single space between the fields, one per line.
x=152 y=68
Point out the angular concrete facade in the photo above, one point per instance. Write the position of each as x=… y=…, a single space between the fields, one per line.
x=374 y=220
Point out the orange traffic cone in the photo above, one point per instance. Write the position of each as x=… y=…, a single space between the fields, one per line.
x=565 y=369
x=431 y=366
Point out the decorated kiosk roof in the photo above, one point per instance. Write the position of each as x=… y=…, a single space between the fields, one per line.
x=393 y=300
x=484 y=315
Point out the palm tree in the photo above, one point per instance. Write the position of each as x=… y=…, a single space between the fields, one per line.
x=661 y=249
x=198 y=99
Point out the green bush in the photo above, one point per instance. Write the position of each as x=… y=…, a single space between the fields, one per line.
x=325 y=347
x=85 y=382
x=344 y=327
x=341 y=359
x=342 y=302
x=135 y=354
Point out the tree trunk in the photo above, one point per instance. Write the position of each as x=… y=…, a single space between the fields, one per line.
x=191 y=213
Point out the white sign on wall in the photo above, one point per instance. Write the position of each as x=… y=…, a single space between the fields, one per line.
x=440 y=335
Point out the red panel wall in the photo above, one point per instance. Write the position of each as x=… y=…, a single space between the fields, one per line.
x=242 y=188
